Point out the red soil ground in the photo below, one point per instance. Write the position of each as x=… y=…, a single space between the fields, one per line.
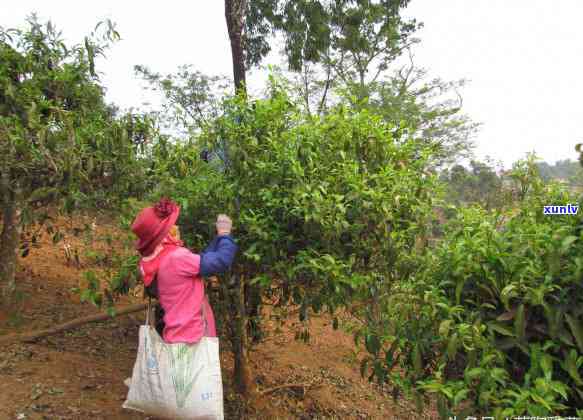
x=79 y=374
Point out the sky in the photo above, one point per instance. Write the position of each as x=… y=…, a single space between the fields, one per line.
x=523 y=58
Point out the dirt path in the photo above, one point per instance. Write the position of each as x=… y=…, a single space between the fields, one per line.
x=79 y=375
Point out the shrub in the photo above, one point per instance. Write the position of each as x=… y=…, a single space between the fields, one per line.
x=327 y=211
x=494 y=319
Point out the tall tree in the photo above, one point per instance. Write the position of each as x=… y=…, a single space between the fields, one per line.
x=351 y=35
x=354 y=36
x=350 y=46
x=235 y=14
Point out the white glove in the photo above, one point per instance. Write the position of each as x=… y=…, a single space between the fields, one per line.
x=224 y=224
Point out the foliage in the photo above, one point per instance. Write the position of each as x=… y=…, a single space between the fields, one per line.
x=566 y=170
x=326 y=210
x=59 y=137
x=59 y=142
x=429 y=109
x=332 y=211
x=118 y=274
x=492 y=319
x=354 y=32
x=478 y=185
x=330 y=44
x=191 y=98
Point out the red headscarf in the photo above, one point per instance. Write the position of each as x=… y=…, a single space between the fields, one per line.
x=149 y=265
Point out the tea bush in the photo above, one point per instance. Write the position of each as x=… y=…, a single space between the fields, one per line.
x=327 y=211
x=493 y=321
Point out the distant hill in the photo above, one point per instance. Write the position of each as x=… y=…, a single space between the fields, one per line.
x=567 y=171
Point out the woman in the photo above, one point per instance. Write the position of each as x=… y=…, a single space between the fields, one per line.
x=178 y=272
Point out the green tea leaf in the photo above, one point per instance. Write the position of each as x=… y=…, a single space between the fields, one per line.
x=570 y=365
x=500 y=329
x=458 y=290
x=577 y=329
x=372 y=344
x=520 y=323
x=473 y=373
x=417 y=363
x=444 y=328
x=460 y=396
x=452 y=347
x=567 y=242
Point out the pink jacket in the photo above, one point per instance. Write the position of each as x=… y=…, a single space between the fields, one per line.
x=182 y=296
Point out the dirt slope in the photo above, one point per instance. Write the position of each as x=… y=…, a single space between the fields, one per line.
x=79 y=375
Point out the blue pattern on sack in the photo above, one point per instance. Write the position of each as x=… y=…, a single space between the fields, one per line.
x=151 y=362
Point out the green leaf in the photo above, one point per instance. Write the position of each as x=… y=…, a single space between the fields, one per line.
x=499 y=375
x=357 y=335
x=474 y=373
x=520 y=323
x=42 y=193
x=452 y=347
x=417 y=362
x=500 y=329
x=567 y=242
x=372 y=344
x=565 y=337
x=458 y=290
x=90 y=56
x=444 y=328
x=335 y=323
x=110 y=311
x=570 y=365
x=442 y=407
x=546 y=364
x=577 y=330
x=540 y=400
x=460 y=396
x=390 y=354
x=508 y=293
x=418 y=401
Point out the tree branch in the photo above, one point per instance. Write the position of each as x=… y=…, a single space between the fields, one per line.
x=35 y=335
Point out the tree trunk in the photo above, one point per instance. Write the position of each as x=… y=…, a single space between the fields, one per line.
x=235 y=16
x=8 y=240
x=35 y=335
x=243 y=380
x=253 y=311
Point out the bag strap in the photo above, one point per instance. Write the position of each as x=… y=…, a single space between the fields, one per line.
x=206 y=326
x=148 y=310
